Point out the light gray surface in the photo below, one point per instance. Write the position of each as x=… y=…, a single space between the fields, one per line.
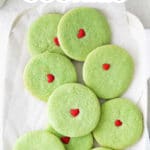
x=2 y=2
x=141 y=8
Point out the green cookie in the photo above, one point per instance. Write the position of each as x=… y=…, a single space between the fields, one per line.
x=81 y=30
x=101 y=148
x=73 y=110
x=42 y=35
x=75 y=143
x=46 y=72
x=108 y=71
x=39 y=140
x=121 y=124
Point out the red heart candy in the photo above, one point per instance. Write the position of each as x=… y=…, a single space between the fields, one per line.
x=56 y=41
x=74 y=112
x=81 y=33
x=65 y=139
x=118 y=123
x=50 y=78
x=106 y=66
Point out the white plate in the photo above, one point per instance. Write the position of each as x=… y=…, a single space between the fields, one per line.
x=22 y=112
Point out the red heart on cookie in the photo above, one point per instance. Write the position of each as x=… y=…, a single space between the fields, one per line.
x=106 y=66
x=50 y=78
x=65 y=139
x=81 y=33
x=118 y=123
x=74 y=112
x=56 y=41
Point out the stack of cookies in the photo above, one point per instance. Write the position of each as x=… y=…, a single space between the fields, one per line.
x=77 y=113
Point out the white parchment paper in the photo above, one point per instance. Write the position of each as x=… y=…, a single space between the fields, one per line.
x=22 y=112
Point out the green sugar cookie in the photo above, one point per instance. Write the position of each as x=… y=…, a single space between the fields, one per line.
x=81 y=30
x=121 y=124
x=108 y=71
x=101 y=148
x=74 y=143
x=46 y=72
x=42 y=35
x=73 y=110
x=38 y=140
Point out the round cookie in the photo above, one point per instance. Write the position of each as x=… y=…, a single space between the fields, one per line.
x=79 y=34
x=121 y=124
x=101 y=148
x=38 y=140
x=74 y=143
x=46 y=72
x=42 y=35
x=108 y=71
x=73 y=110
